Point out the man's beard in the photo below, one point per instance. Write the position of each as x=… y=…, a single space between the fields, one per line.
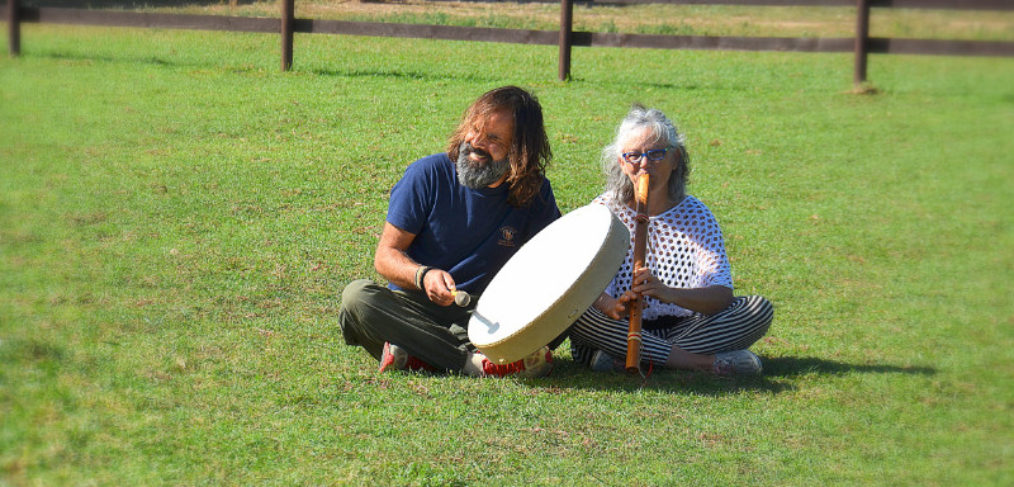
x=478 y=175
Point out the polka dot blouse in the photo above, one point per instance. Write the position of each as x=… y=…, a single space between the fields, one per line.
x=685 y=250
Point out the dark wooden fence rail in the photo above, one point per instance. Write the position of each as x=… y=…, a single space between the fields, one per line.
x=287 y=24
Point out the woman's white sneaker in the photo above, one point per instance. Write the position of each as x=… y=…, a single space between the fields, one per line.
x=737 y=362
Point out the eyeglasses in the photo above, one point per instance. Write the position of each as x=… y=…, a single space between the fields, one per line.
x=652 y=155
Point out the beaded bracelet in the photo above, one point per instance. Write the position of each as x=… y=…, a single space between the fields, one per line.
x=420 y=274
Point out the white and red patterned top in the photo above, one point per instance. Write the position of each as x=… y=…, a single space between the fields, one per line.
x=685 y=250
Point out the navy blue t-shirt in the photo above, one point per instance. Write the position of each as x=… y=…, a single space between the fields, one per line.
x=470 y=233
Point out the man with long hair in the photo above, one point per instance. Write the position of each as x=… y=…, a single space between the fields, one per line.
x=453 y=220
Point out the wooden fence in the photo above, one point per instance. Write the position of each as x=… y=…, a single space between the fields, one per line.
x=287 y=24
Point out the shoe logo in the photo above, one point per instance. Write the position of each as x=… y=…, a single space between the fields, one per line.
x=507 y=235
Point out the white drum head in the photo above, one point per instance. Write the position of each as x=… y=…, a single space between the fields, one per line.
x=548 y=283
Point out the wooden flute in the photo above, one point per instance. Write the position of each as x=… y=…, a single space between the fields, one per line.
x=640 y=248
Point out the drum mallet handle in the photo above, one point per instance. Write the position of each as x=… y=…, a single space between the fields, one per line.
x=461 y=298
x=640 y=248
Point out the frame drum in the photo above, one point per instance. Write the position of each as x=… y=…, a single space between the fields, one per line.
x=548 y=283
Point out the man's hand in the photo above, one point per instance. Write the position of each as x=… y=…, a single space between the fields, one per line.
x=439 y=287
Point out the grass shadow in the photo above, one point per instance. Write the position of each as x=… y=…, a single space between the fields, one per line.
x=154 y=60
x=570 y=375
x=123 y=4
x=150 y=60
x=794 y=366
x=401 y=74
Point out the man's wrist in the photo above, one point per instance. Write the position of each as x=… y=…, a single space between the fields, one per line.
x=420 y=275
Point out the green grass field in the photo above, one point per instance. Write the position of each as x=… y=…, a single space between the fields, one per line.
x=671 y=19
x=177 y=218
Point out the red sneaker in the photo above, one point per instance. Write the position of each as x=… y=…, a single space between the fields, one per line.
x=538 y=364
x=396 y=358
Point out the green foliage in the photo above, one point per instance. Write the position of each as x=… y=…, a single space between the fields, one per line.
x=177 y=219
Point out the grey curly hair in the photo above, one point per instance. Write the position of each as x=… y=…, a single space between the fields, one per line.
x=637 y=119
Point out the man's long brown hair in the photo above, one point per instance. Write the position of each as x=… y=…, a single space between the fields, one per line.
x=529 y=152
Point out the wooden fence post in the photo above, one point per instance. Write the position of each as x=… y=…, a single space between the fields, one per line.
x=287 y=14
x=13 y=28
x=566 y=28
x=862 y=40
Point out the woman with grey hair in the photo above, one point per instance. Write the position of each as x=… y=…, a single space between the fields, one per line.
x=691 y=320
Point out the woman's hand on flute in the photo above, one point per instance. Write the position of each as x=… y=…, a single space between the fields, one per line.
x=705 y=300
x=615 y=308
x=646 y=284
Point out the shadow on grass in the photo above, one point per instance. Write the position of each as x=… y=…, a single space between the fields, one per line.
x=153 y=60
x=793 y=366
x=122 y=4
x=402 y=74
x=570 y=375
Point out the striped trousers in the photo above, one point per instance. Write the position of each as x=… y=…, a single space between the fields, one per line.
x=737 y=327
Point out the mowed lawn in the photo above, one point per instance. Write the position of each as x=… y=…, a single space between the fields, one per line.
x=178 y=217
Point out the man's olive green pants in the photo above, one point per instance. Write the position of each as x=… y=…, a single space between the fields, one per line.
x=371 y=314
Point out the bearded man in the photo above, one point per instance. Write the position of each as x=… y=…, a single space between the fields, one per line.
x=453 y=220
